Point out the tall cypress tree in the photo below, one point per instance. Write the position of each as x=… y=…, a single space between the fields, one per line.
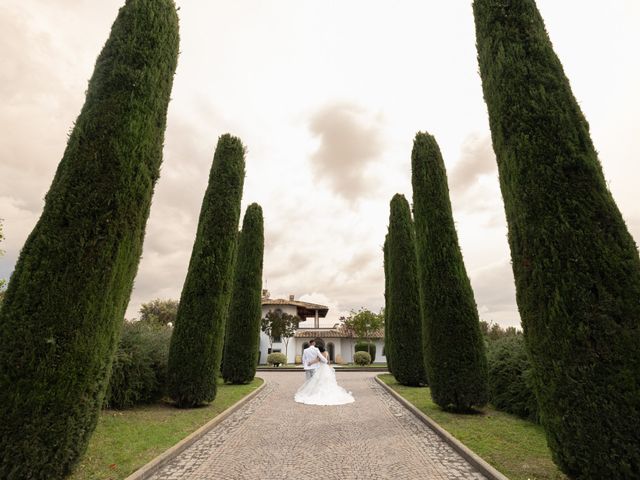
x=242 y=341
x=455 y=354
x=387 y=307
x=576 y=266
x=405 y=318
x=197 y=341
x=64 y=307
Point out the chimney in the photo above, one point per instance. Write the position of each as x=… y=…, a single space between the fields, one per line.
x=292 y=298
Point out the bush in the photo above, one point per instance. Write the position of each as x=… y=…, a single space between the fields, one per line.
x=277 y=359
x=371 y=349
x=510 y=387
x=361 y=358
x=140 y=366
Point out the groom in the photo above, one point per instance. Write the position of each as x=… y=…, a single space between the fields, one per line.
x=311 y=358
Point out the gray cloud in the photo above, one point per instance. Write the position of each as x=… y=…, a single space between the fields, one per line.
x=473 y=181
x=476 y=159
x=350 y=141
x=35 y=105
x=495 y=293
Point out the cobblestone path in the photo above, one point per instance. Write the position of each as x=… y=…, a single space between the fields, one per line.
x=272 y=437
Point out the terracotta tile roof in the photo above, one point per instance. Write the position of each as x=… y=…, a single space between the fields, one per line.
x=339 y=332
x=306 y=309
x=297 y=303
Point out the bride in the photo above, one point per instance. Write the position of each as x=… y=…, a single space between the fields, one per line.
x=322 y=388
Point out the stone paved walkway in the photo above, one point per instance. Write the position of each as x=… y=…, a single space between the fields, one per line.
x=272 y=437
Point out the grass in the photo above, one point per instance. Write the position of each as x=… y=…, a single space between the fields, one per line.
x=371 y=365
x=515 y=447
x=126 y=440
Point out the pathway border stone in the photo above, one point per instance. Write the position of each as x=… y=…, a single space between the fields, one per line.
x=167 y=456
x=481 y=465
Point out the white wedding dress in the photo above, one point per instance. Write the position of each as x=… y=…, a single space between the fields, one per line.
x=323 y=389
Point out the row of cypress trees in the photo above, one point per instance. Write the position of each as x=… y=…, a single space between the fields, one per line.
x=221 y=294
x=575 y=265
x=432 y=330
x=65 y=303
x=454 y=352
x=197 y=341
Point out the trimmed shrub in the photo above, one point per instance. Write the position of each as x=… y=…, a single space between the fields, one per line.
x=454 y=349
x=576 y=266
x=245 y=311
x=362 y=358
x=197 y=341
x=64 y=307
x=276 y=359
x=510 y=377
x=368 y=347
x=139 y=370
x=405 y=317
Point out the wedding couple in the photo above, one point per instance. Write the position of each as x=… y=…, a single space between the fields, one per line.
x=321 y=387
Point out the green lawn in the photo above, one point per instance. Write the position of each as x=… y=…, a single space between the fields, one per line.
x=126 y=440
x=515 y=447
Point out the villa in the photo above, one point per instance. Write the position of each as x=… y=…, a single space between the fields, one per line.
x=338 y=341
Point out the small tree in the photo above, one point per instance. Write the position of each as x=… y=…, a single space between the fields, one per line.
x=159 y=312
x=277 y=324
x=364 y=323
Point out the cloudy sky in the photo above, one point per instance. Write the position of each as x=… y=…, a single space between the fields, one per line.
x=327 y=96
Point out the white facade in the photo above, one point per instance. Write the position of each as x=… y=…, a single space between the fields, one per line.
x=340 y=349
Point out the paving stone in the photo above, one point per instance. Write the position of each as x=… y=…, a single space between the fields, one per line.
x=272 y=437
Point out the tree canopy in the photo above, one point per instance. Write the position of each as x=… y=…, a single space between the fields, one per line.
x=159 y=311
x=363 y=323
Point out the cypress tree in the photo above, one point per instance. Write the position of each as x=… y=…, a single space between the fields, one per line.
x=65 y=303
x=405 y=318
x=387 y=306
x=242 y=341
x=454 y=349
x=576 y=266
x=197 y=341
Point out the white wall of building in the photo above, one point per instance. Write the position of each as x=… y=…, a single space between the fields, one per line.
x=343 y=347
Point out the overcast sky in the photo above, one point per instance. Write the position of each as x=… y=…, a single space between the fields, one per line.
x=327 y=96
